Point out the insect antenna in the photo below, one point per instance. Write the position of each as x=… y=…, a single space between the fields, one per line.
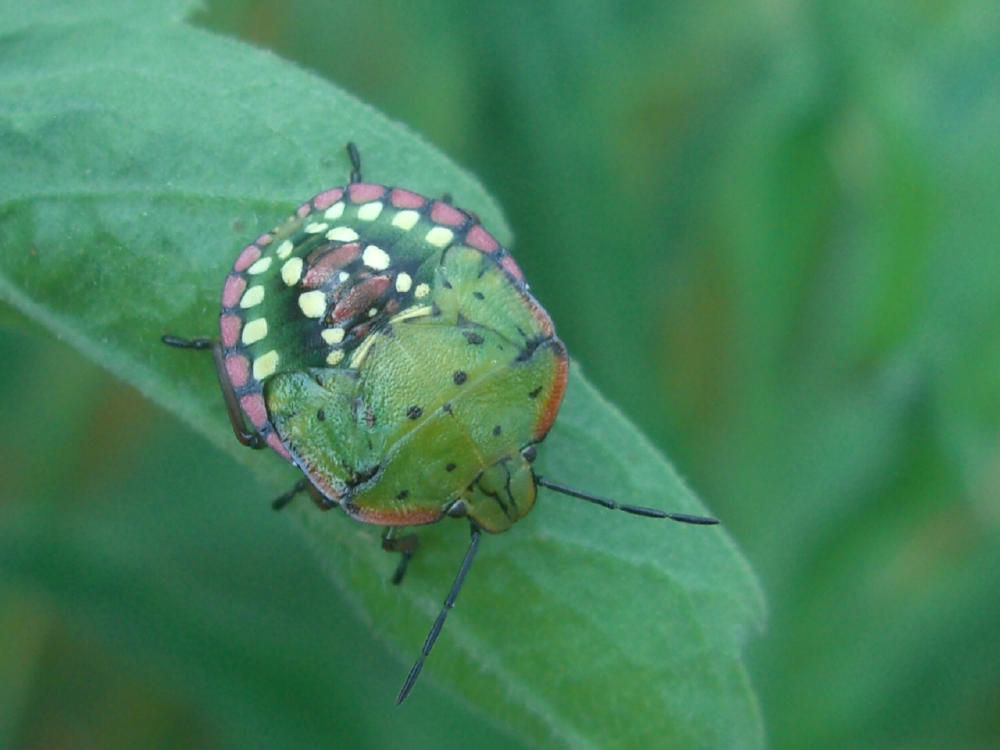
x=637 y=510
x=439 y=622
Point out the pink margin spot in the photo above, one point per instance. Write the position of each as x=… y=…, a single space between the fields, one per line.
x=233 y=289
x=304 y=209
x=405 y=199
x=230 y=326
x=362 y=192
x=238 y=369
x=253 y=406
x=264 y=240
x=480 y=239
x=327 y=198
x=510 y=266
x=246 y=258
x=442 y=213
x=275 y=442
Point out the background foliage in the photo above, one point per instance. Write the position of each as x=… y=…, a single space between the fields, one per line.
x=768 y=232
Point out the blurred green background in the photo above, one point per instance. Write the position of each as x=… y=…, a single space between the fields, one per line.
x=769 y=231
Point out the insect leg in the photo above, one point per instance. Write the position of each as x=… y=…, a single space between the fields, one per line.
x=405 y=545
x=355 y=157
x=249 y=438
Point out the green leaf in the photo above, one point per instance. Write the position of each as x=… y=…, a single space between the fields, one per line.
x=140 y=154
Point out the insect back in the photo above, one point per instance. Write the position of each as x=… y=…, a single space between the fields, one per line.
x=388 y=346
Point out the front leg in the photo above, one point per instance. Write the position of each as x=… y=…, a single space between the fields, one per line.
x=405 y=545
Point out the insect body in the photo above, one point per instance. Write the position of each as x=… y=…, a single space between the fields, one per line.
x=387 y=345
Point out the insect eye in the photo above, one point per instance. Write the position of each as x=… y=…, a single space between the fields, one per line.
x=529 y=453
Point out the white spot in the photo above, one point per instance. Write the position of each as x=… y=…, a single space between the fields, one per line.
x=406 y=220
x=292 y=271
x=343 y=276
x=412 y=312
x=261 y=265
x=362 y=351
x=335 y=211
x=254 y=331
x=375 y=257
x=334 y=357
x=403 y=282
x=422 y=290
x=372 y=312
x=439 y=236
x=370 y=211
x=313 y=304
x=265 y=365
x=253 y=297
x=284 y=249
x=332 y=335
x=316 y=227
x=342 y=234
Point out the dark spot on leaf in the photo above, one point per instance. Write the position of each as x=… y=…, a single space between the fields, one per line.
x=449 y=467
x=414 y=412
x=403 y=495
x=459 y=377
x=472 y=337
x=446 y=406
x=496 y=430
x=535 y=392
x=320 y=415
x=478 y=295
x=446 y=284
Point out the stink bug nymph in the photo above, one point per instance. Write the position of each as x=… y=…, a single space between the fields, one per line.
x=387 y=345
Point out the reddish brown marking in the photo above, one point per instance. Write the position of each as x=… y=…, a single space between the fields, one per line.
x=323 y=265
x=480 y=239
x=238 y=369
x=362 y=192
x=253 y=406
x=361 y=297
x=230 y=326
x=559 y=380
x=442 y=213
x=304 y=209
x=394 y=516
x=327 y=198
x=508 y=263
x=233 y=289
x=405 y=199
x=246 y=258
x=275 y=442
x=264 y=240
x=541 y=316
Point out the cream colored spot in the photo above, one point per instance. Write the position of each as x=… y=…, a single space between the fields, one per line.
x=284 y=249
x=343 y=276
x=332 y=335
x=372 y=312
x=260 y=266
x=342 y=234
x=253 y=297
x=313 y=304
x=362 y=351
x=422 y=290
x=254 y=331
x=406 y=220
x=375 y=257
x=370 y=211
x=439 y=236
x=412 y=312
x=335 y=211
x=265 y=365
x=316 y=227
x=334 y=357
x=403 y=282
x=291 y=271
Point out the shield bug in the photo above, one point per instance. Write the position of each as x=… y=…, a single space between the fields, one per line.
x=387 y=345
